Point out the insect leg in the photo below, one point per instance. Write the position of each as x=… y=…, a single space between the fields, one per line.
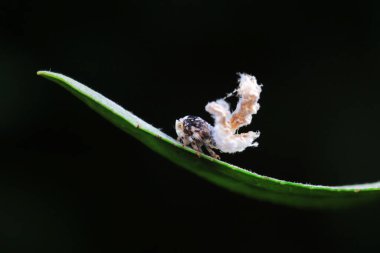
x=197 y=148
x=212 y=152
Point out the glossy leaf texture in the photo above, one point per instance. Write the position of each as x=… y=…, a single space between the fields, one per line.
x=223 y=174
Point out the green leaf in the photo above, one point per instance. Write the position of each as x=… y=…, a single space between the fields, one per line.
x=218 y=172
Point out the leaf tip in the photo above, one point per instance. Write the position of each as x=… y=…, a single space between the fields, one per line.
x=42 y=73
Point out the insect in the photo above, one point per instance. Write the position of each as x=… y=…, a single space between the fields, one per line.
x=196 y=132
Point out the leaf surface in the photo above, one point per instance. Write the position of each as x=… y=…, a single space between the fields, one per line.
x=226 y=175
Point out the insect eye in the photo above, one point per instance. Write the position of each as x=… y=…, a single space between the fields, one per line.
x=179 y=124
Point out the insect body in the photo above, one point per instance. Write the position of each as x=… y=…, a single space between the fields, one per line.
x=195 y=131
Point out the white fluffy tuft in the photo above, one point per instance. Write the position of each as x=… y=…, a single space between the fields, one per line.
x=226 y=123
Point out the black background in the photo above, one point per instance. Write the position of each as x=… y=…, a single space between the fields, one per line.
x=72 y=182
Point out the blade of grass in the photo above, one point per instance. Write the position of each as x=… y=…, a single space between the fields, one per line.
x=220 y=173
